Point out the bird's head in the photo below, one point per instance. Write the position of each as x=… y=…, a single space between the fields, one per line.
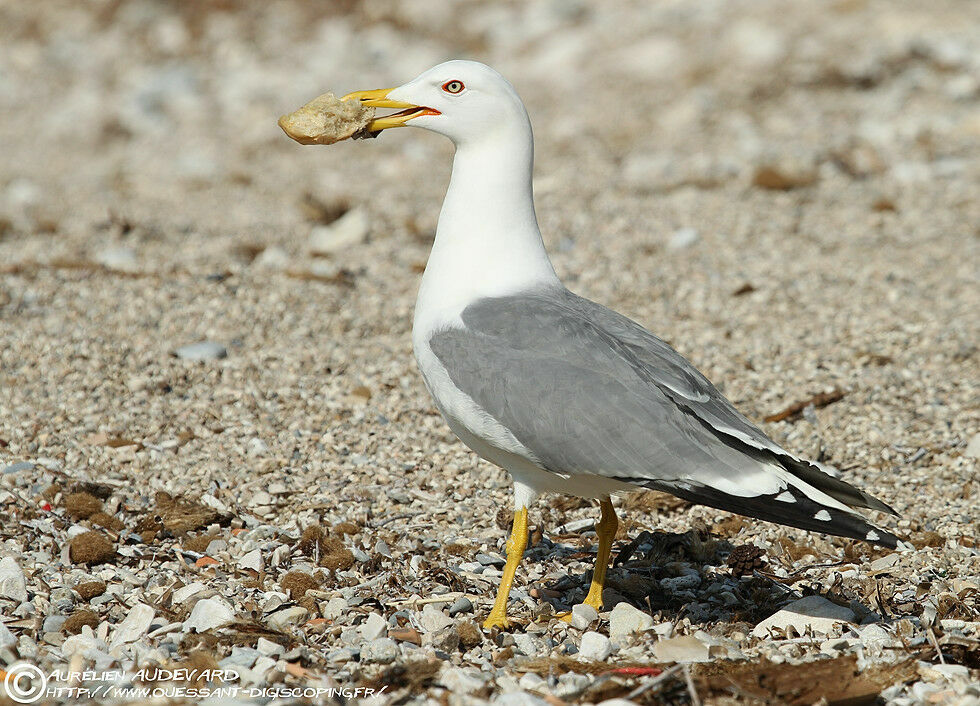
x=463 y=100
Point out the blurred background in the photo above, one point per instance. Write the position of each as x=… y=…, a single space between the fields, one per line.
x=785 y=190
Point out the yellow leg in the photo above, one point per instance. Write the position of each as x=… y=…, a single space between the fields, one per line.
x=515 y=551
x=606 y=529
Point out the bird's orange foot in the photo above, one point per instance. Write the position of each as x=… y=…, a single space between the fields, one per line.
x=498 y=620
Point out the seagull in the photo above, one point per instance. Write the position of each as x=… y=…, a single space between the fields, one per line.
x=564 y=394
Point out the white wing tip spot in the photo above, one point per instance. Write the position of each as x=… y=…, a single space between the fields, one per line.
x=872 y=536
x=823 y=516
x=786 y=497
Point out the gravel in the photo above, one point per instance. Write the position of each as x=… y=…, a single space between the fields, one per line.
x=206 y=345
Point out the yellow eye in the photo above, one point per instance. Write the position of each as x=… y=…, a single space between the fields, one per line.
x=453 y=86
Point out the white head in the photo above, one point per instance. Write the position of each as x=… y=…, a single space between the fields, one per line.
x=464 y=100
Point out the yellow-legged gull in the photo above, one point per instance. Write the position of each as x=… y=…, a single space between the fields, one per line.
x=564 y=394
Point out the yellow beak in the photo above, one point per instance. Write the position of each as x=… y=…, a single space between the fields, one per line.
x=379 y=99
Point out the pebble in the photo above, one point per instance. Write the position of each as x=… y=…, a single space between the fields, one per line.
x=287 y=618
x=685 y=648
x=973 y=448
x=445 y=640
x=528 y=644
x=344 y=233
x=18 y=467
x=334 y=608
x=209 y=613
x=683 y=238
x=461 y=605
x=122 y=259
x=813 y=613
x=518 y=698
x=268 y=647
x=625 y=620
x=13 y=584
x=53 y=623
x=374 y=627
x=583 y=616
x=490 y=559
x=681 y=583
x=7 y=638
x=462 y=680
x=205 y=350
x=384 y=650
x=184 y=593
x=252 y=560
x=595 y=646
x=884 y=563
x=134 y=625
x=432 y=619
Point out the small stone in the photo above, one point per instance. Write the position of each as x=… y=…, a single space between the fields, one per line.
x=406 y=635
x=53 y=623
x=685 y=648
x=461 y=605
x=272 y=258
x=680 y=583
x=13 y=584
x=349 y=230
x=134 y=625
x=528 y=644
x=287 y=618
x=122 y=259
x=595 y=647
x=951 y=672
x=184 y=593
x=973 y=448
x=490 y=560
x=518 y=698
x=884 y=563
x=18 y=467
x=813 y=613
x=462 y=680
x=583 y=616
x=209 y=613
x=876 y=636
x=334 y=608
x=374 y=627
x=205 y=350
x=433 y=619
x=445 y=640
x=683 y=238
x=784 y=176
x=269 y=648
x=384 y=650
x=7 y=638
x=252 y=560
x=625 y=620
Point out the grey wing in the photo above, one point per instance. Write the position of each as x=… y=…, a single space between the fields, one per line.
x=589 y=391
x=692 y=391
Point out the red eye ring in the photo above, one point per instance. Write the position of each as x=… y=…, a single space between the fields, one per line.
x=455 y=86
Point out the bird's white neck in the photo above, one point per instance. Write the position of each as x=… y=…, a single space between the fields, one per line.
x=487 y=241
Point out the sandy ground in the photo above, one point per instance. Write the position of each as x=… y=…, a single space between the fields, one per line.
x=787 y=192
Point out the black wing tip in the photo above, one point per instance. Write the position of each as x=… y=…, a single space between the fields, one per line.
x=801 y=512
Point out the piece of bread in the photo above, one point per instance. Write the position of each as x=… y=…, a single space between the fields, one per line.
x=326 y=119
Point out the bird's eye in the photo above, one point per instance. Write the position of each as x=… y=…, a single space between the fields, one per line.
x=453 y=86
